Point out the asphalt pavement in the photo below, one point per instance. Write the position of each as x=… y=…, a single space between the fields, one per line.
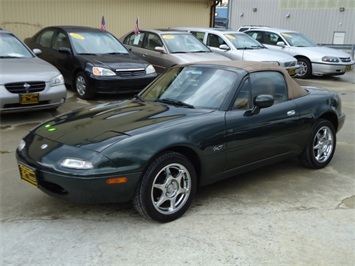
x=283 y=214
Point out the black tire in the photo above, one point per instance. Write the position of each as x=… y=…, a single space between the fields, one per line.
x=82 y=86
x=320 y=147
x=305 y=70
x=167 y=188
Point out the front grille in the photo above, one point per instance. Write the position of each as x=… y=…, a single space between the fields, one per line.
x=130 y=72
x=26 y=87
x=290 y=64
x=345 y=59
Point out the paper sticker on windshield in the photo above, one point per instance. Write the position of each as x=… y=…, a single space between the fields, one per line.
x=230 y=36
x=77 y=36
x=168 y=37
x=286 y=35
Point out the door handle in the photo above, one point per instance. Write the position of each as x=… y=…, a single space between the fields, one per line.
x=290 y=113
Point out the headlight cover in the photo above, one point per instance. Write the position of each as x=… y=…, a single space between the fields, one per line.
x=56 y=81
x=273 y=63
x=100 y=71
x=79 y=164
x=22 y=145
x=330 y=59
x=150 y=69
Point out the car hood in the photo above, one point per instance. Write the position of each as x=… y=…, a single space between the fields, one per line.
x=98 y=127
x=26 y=69
x=195 y=57
x=322 y=51
x=119 y=61
x=266 y=55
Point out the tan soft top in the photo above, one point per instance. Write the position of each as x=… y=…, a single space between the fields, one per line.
x=294 y=90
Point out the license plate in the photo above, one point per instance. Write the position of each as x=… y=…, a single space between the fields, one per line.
x=347 y=68
x=28 y=175
x=30 y=98
x=291 y=72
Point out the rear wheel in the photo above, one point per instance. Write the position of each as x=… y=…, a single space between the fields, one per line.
x=321 y=146
x=305 y=70
x=82 y=86
x=167 y=188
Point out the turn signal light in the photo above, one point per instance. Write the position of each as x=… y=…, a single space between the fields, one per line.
x=116 y=180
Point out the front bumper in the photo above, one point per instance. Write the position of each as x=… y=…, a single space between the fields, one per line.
x=118 y=85
x=319 y=69
x=80 y=189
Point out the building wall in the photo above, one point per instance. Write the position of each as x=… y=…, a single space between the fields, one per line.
x=318 y=19
x=26 y=17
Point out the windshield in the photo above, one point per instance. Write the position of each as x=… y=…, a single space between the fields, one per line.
x=298 y=40
x=243 y=41
x=184 y=43
x=11 y=47
x=196 y=86
x=96 y=43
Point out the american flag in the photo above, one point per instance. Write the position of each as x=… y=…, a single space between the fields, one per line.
x=136 y=27
x=103 y=24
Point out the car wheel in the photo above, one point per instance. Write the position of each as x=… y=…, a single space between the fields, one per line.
x=321 y=146
x=167 y=188
x=305 y=71
x=82 y=86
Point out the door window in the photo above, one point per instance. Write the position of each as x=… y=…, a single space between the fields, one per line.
x=45 y=38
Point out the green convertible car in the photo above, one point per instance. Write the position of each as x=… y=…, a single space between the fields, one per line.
x=196 y=124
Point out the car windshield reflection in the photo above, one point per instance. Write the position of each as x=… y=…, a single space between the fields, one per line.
x=10 y=47
x=244 y=41
x=192 y=87
x=94 y=43
x=298 y=40
x=184 y=43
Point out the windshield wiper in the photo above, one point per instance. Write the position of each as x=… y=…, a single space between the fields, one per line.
x=87 y=54
x=175 y=102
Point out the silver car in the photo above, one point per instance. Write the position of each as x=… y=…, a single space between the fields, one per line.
x=239 y=46
x=314 y=59
x=26 y=81
x=166 y=48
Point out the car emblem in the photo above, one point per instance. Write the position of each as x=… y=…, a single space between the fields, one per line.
x=26 y=85
x=44 y=146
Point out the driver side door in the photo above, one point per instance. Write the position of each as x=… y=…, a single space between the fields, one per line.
x=269 y=135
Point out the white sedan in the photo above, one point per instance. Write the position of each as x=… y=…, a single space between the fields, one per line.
x=314 y=59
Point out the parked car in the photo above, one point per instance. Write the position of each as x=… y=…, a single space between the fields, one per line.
x=166 y=48
x=92 y=60
x=196 y=124
x=239 y=46
x=314 y=59
x=27 y=82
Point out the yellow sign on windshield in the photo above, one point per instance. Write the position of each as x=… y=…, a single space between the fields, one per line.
x=168 y=37
x=77 y=36
x=230 y=36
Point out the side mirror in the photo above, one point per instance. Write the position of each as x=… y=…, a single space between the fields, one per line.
x=260 y=101
x=160 y=49
x=64 y=50
x=282 y=44
x=224 y=47
x=37 y=51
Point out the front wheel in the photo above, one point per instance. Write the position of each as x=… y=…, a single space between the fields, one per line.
x=82 y=86
x=305 y=70
x=167 y=188
x=321 y=146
